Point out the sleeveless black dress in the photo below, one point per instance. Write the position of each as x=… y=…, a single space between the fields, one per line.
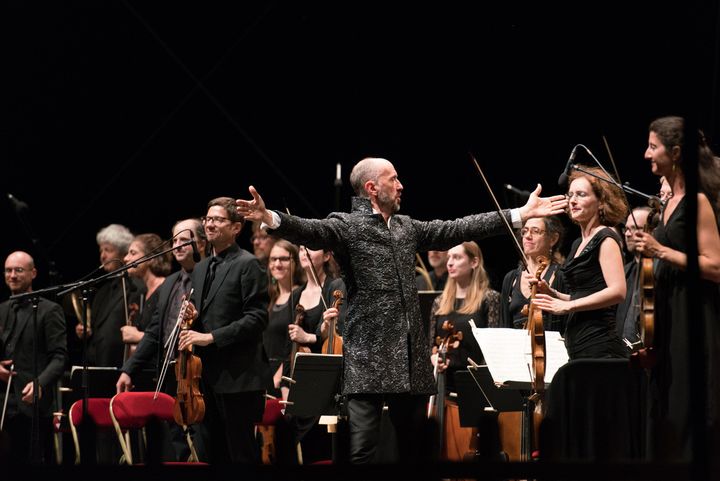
x=670 y=378
x=590 y=334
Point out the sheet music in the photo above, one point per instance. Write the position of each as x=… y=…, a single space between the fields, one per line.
x=507 y=353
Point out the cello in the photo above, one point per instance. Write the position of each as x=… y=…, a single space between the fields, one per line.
x=334 y=343
x=532 y=413
x=436 y=405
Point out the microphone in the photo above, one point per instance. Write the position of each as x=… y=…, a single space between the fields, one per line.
x=193 y=244
x=18 y=205
x=563 y=179
x=519 y=192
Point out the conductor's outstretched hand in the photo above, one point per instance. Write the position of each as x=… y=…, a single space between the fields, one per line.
x=537 y=206
x=253 y=209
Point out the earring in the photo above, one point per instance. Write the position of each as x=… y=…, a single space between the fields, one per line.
x=674 y=166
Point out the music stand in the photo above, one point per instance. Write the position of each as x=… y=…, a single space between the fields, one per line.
x=495 y=397
x=315 y=385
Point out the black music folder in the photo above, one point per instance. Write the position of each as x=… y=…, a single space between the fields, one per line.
x=316 y=383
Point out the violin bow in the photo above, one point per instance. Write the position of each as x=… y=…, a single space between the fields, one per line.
x=509 y=228
x=312 y=269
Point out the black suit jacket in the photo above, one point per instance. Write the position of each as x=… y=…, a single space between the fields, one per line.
x=148 y=354
x=235 y=312
x=51 y=352
x=105 y=346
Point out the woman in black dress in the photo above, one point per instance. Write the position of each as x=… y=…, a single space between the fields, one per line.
x=670 y=407
x=593 y=272
x=286 y=278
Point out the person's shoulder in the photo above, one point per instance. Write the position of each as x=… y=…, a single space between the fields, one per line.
x=492 y=294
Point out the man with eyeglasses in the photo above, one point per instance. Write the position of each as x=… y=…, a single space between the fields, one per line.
x=229 y=302
x=262 y=242
x=628 y=311
x=17 y=365
x=386 y=350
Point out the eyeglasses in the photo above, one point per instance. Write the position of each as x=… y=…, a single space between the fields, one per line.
x=579 y=195
x=282 y=259
x=214 y=219
x=534 y=231
x=18 y=270
x=258 y=238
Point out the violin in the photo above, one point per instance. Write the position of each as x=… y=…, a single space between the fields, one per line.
x=189 y=403
x=645 y=355
x=334 y=343
x=436 y=406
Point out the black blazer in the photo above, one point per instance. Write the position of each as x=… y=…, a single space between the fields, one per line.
x=235 y=312
x=148 y=354
x=51 y=352
x=105 y=346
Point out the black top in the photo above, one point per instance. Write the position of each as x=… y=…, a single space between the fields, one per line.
x=513 y=300
x=590 y=334
x=487 y=316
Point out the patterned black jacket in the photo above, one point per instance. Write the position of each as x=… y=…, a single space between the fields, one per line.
x=386 y=348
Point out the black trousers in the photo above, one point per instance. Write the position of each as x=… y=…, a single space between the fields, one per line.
x=408 y=415
x=19 y=435
x=230 y=423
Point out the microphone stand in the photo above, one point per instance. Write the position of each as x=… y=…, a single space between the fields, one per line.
x=87 y=287
x=625 y=187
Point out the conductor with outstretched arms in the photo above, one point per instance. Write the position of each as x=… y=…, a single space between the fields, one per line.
x=386 y=349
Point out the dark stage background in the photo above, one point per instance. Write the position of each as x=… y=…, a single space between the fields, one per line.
x=114 y=98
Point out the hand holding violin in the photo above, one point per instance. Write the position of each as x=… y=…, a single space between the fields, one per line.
x=298 y=334
x=328 y=315
x=646 y=245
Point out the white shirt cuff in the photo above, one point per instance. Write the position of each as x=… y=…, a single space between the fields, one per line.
x=275 y=221
x=516 y=219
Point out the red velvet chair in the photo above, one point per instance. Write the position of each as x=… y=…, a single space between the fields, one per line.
x=98 y=410
x=134 y=410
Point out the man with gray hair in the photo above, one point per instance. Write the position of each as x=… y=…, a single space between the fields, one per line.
x=105 y=346
x=386 y=350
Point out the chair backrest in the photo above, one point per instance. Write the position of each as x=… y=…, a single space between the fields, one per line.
x=272 y=413
x=133 y=410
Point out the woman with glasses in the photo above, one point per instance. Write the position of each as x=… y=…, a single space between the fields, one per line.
x=286 y=279
x=593 y=272
x=540 y=237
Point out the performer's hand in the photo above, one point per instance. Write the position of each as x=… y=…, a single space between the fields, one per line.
x=80 y=332
x=537 y=206
x=646 y=244
x=124 y=383
x=553 y=305
x=27 y=393
x=191 y=312
x=188 y=338
x=5 y=372
x=298 y=334
x=328 y=315
x=441 y=366
x=131 y=334
x=253 y=209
